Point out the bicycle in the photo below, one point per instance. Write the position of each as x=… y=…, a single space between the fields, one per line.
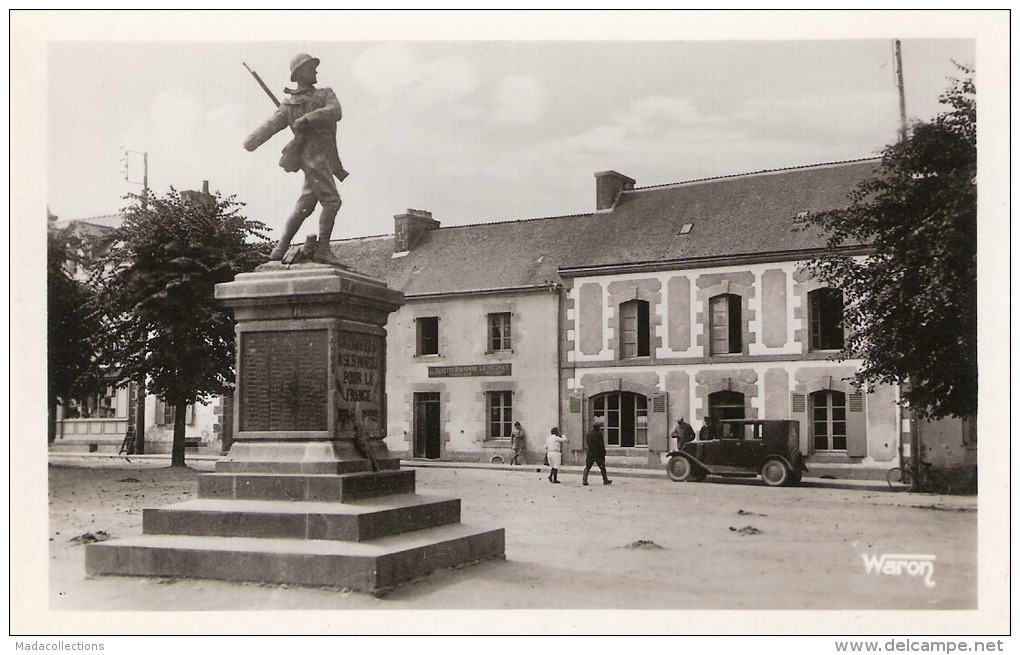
x=924 y=479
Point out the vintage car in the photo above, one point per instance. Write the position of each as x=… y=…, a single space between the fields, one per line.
x=744 y=448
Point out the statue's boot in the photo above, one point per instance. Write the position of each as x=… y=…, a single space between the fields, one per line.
x=289 y=230
x=323 y=253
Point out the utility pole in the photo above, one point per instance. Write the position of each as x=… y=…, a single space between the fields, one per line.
x=899 y=86
x=139 y=416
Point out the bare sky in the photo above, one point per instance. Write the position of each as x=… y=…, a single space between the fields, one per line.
x=473 y=130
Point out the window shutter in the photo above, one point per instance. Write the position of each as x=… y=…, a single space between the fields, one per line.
x=856 y=440
x=856 y=402
x=160 y=412
x=798 y=404
x=658 y=429
x=189 y=415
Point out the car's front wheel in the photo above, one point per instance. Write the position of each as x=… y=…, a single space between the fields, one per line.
x=679 y=469
x=775 y=473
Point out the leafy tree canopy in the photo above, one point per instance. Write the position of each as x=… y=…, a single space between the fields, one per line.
x=911 y=309
x=163 y=323
x=71 y=372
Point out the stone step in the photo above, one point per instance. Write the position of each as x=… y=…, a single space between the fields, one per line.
x=313 y=487
x=297 y=468
x=361 y=520
x=375 y=566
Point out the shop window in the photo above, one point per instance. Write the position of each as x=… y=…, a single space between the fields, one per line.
x=427 y=335
x=102 y=405
x=501 y=413
x=725 y=326
x=826 y=311
x=499 y=332
x=624 y=418
x=634 y=329
x=828 y=421
x=726 y=404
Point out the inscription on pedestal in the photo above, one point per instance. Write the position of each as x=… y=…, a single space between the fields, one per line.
x=359 y=381
x=283 y=381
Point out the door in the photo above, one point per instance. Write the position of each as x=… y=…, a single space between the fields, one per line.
x=426 y=425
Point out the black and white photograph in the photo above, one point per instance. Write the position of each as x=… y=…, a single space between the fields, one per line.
x=511 y=323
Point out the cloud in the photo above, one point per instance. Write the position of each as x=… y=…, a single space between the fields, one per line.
x=518 y=99
x=654 y=111
x=394 y=73
x=844 y=115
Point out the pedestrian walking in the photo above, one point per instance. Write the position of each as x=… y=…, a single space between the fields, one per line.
x=517 y=441
x=683 y=432
x=596 y=453
x=553 y=445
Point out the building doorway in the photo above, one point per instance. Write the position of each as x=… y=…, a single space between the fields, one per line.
x=426 y=425
x=624 y=417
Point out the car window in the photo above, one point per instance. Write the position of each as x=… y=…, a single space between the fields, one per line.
x=751 y=431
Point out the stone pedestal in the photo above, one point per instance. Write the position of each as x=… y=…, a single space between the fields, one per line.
x=309 y=493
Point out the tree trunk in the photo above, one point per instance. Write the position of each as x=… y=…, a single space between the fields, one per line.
x=177 y=453
x=139 y=417
x=51 y=429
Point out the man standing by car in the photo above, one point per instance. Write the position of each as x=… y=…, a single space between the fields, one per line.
x=683 y=432
x=709 y=431
x=596 y=453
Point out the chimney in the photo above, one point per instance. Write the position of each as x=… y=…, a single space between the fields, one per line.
x=202 y=197
x=608 y=187
x=408 y=228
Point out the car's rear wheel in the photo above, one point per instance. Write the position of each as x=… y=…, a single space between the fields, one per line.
x=775 y=473
x=679 y=469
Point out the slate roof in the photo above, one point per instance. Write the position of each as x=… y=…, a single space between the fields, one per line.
x=747 y=214
x=730 y=216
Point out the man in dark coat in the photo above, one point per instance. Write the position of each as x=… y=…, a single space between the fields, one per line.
x=596 y=453
x=683 y=432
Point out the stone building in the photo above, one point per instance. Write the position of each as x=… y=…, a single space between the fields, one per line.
x=691 y=300
x=679 y=300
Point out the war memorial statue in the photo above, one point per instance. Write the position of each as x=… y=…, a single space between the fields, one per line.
x=309 y=492
x=312 y=114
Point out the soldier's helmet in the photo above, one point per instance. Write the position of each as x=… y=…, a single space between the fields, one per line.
x=300 y=60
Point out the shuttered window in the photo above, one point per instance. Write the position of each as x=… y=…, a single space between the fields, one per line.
x=828 y=420
x=826 y=309
x=634 y=336
x=725 y=325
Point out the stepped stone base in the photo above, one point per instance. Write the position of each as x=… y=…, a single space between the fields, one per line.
x=375 y=567
x=309 y=493
x=367 y=531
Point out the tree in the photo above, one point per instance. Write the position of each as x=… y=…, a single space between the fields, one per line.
x=162 y=323
x=911 y=309
x=71 y=372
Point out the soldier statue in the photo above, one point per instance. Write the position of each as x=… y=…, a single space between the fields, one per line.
x=312 y=114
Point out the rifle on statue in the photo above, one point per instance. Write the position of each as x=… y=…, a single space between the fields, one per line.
x=290 y=158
